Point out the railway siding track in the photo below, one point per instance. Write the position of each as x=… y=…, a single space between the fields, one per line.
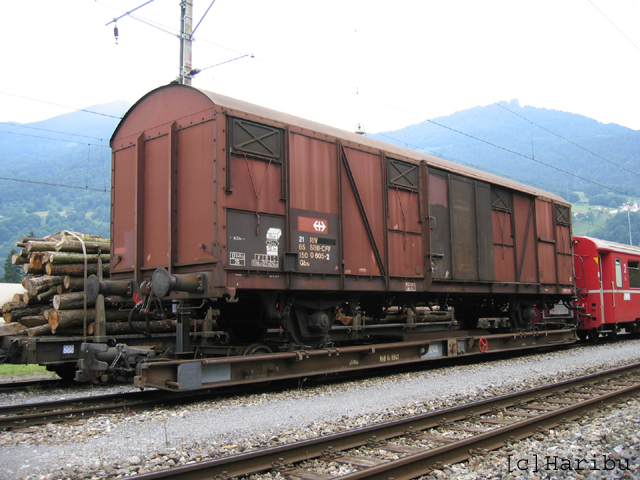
x=11 y=387
x=25 y=415
x=413 y=446
x=69 y=410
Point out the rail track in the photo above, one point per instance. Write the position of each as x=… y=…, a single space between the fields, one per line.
x=11 y=387
x=70 y=410
x=410 y=447
x=24 y=415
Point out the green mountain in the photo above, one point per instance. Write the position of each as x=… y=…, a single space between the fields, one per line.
x=557 y=151
x=56 y=174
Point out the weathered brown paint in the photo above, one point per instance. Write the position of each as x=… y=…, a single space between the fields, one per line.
x=184 y=201
x=196 y=234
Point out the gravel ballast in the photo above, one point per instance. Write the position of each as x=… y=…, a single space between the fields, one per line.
x=124 y=445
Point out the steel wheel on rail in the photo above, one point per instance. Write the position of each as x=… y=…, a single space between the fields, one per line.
x=297 y=321
x=257 y=349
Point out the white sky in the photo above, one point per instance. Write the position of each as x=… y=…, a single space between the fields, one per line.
x=407 y=60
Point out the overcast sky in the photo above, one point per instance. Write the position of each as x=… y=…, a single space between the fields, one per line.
x=383 y=64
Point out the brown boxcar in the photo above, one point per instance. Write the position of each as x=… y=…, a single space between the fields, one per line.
x=269 y=226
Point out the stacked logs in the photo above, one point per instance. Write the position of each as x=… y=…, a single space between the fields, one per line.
x=54 y=302
x=54 y=298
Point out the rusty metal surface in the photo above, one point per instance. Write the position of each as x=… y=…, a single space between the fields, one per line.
x=525 y=251
x=545 y=222
x=205 y=182
x=123 y=210
x=154 y=219
x=155 y=226
x=404 y=211
x=314 y=177
x=503 y=246
x=440 y=225
x=405 y=255
x=134 y=120
x=404 y=220
x=461 y=228
x=256 y=185
x=464 y=224
x=363 y=213
x=195 y=228
x=219 y=372
x=565 y=254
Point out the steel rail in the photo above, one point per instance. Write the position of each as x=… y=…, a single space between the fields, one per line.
x=9 y=387
x=412 y=465
x=37 y=413
x=420 y=464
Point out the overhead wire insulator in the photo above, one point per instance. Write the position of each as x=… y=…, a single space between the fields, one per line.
x=115 y=33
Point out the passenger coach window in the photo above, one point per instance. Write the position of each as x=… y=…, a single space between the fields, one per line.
x=618 y=273
x=634 y=274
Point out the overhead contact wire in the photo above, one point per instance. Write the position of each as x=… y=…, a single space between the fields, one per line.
x=567 y=140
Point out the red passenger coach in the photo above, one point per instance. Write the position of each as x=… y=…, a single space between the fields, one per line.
x=608 y=281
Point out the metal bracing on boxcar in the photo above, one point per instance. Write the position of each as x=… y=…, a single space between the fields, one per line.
x=363 y=213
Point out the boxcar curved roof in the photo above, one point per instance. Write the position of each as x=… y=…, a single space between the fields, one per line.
x=249 y=108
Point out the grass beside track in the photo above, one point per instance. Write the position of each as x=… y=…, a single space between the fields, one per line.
x=8 y=371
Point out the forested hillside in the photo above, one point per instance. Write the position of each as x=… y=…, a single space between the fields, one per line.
x=49 y=163
x=558 y=151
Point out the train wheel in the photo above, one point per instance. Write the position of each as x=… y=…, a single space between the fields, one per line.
x=594 y=335
x=582 y=335
x=295 y=325
x=613 y=335
x=257 y=349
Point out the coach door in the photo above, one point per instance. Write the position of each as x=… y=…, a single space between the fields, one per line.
x=616 y=286
x=607 y=272
x=601 y=288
